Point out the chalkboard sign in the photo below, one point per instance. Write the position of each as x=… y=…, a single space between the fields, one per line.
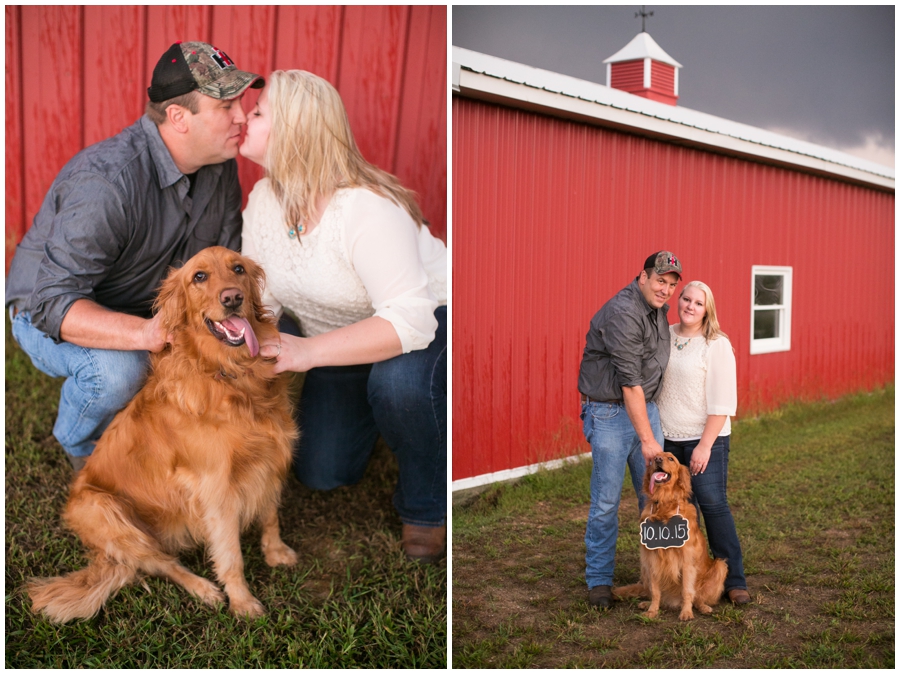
x=657 y=535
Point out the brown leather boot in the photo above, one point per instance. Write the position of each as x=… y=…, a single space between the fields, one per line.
x=424 y=544
x=738 y=596
x=600 y=596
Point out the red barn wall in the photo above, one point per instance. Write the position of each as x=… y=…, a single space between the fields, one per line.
x=77 y=75
x=551 y=218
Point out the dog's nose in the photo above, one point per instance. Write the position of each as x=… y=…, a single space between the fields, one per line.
x=231 y=298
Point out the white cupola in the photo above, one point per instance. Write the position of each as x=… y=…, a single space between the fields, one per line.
x=642 y=68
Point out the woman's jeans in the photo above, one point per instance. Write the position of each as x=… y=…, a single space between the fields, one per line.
x=404 y=399
x=614 y=443
x=710 y=497
x=98 y=383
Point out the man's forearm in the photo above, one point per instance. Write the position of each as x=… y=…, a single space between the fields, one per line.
x=90 y=325
x=636 y=407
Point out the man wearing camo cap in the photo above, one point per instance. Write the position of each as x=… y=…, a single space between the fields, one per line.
x=119 y=214
x=626 y=353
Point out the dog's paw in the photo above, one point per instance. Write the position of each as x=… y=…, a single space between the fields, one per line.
x=247 y=608
x=207 y=592
x=279 y=555
x=704 y=609
x=651 y=613
x=686 y=614
x=644 y=604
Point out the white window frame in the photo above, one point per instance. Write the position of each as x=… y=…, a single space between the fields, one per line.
x=783 y=341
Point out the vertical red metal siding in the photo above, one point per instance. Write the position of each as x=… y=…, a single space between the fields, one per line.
x=77 y=75
x=552 y=218
x=15 y=182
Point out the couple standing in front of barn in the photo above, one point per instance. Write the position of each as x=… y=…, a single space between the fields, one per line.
x=648 y=387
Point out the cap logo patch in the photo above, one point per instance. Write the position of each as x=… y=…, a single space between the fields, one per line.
x=221 y=59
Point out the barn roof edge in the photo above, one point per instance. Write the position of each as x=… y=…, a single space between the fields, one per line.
x=621 y=109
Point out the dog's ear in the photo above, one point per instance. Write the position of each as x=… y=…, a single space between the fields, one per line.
x=684 y=480
x=258 y=278
x=171 y=301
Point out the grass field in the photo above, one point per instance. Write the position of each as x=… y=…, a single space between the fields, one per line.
x=352 y=601
x=812 y=491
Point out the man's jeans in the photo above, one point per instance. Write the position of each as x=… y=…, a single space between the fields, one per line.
x=343 y=409
x=614 y=443
x=711 y=499
x=98 y=383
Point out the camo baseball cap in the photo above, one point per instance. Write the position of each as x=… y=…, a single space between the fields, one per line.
x=664 y=262
x=189 y=66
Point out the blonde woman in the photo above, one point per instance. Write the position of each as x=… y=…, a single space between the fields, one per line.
x=348 y=257
x=696 y=402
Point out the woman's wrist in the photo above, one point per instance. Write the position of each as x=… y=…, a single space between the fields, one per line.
x=305 y=355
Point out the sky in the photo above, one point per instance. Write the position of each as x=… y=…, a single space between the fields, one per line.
x=822 y=74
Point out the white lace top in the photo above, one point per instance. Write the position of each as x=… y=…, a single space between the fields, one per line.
x=700 y=380
x=366 y=257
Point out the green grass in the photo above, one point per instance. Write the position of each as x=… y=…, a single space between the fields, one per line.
x=812 y=491
x=351 y=601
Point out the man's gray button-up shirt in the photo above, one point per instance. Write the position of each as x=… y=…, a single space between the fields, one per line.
x=627 y=344
x=114 y=220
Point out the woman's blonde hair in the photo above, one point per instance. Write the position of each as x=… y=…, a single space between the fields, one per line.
x=710 y=327
x=311 y=150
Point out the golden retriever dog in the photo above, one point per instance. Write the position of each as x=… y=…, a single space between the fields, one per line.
x=679 y=574
x=198 y=455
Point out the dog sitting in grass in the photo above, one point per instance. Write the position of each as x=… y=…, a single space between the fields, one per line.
x=199 y=454
x=676 y=569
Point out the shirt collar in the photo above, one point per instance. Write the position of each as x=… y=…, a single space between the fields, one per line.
x=166 y=171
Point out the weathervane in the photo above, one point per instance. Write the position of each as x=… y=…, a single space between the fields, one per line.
x=643 y=16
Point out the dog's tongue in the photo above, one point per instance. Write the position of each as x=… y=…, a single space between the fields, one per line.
x=238 y=324
x=656 y=477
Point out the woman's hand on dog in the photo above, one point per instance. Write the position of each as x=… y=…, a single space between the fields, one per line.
x=270 y=349
x=370 y=340
x=291 y=354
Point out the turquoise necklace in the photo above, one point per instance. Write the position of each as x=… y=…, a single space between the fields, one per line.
x=681 y=345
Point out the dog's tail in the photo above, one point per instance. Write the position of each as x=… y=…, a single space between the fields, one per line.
x=628 y=591
x=80 y=594
x=713 y=584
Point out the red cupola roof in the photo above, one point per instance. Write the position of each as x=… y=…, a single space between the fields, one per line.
x=642 y=68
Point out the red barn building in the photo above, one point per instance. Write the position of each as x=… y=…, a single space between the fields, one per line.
x=77 y=75
x=561 y=188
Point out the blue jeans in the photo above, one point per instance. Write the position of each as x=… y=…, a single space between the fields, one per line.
x=343 y=410
x=98 y=383
x=711 y=499
x=614 y=443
